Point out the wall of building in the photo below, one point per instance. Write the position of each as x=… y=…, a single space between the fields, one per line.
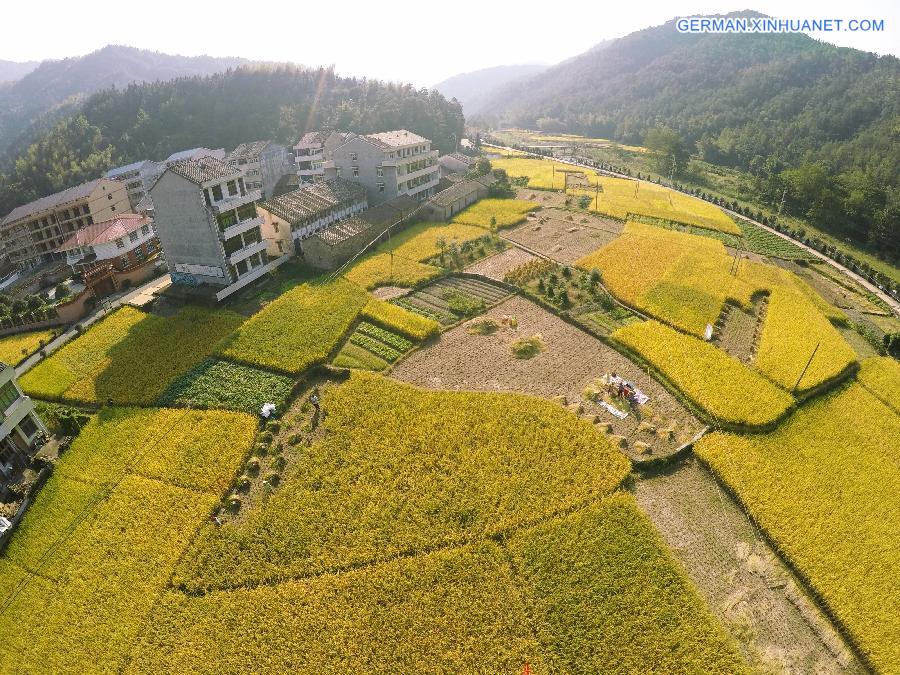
x=188 y=232
x=368 y=159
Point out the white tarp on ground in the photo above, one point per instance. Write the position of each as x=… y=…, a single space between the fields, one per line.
x=639 y=396
x=613 y=410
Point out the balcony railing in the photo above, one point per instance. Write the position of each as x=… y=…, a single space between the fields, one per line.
x=234 y=201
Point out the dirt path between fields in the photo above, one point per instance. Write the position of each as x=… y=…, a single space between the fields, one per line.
x=744 y=583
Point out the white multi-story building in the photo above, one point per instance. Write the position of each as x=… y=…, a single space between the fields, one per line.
x=126 y=241
x=312 y=150
x=208 y=226
x=388 y=164
x=20 y=427
x=138 y=178
x=297 y=215
x=264 y=163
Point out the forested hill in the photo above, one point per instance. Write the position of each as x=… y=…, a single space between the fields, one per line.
x=150 y=121
x=766 y=103
x=60 y=84
x=10 y=71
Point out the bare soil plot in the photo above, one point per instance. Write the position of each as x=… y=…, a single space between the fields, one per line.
x=570 y=362
x=737 y=331
x=498 y=265
x=745 y=584
x=561 y=239
x=389 y=292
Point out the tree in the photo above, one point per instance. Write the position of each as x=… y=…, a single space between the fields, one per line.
x=669 y=147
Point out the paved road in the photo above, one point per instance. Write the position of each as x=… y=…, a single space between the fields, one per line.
x=137 y=296
x=891 y=302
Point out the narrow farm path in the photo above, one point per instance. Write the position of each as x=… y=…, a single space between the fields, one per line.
x=756 y=597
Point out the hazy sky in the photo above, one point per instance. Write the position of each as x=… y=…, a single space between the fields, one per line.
x=418 y=42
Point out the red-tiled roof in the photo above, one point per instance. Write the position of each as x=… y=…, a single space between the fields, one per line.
x=108 y=230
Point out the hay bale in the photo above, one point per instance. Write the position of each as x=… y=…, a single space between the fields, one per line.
x=646 y=427
x=619 y=441
x=605 y=427
x=576 y=408
x=593 y=418
x=561 y=399
x=643 y=448
x=667 y=434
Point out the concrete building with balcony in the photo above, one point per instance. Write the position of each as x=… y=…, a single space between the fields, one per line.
x=291 y=218
x=208 y=226
x=138 y=179
x=313 y=149
x=31 y=233
x=20 y=428
x=388 y=164
x=264 y=163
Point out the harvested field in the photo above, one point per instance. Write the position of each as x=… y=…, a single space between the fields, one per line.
x=565 y=240
x=571 y=362
x=432 y=300
x=389 y=292
x=744 y=583
x=498 y=265
x=737 y=330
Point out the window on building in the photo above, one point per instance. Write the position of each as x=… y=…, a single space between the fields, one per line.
x=27 y=426
x=139 y=253
x=356 y=172
x=280 y=245
x=232 y=245
x=241 y=267
x=123 y=262
x=8 y=394
x=255 y=260
x=113 y=207
x=247 y=211
x=354 y=156
x=90 y=220
x=337 y=172
x=379 y=172
x=109 y=197
x=232 y=188
x=145 y=230
x=217 y=193
x=206 y=198
x=252 y=236
x=133 y=236
x=120 y=243
x=380 y=187
x=241 y=186
x=65 y=214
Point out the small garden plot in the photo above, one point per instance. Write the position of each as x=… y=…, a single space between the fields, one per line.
x=764 y=242
x=453 y=298
x=373 y=347
x=564 y=237
x=17 y=348
x=223 y=384
x=468 y=358
x=130 y=356
x=824 y=487
x=358 y=358
x=298 y=330
x=737 y=330
x=410 y=324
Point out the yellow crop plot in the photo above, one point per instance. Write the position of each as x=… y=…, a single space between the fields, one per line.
x=621 y=197
x=824 y=486
x=503 y=213
x=15 y=348
x=881 y=376
x=715 y=381
x=684 y=280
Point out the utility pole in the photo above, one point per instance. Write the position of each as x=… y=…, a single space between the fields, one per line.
x=597 y=197
x=672 y=172
x=781 y=205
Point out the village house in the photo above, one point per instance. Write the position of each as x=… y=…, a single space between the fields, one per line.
x=455 y=162
x=30 y=234
x=123 y=248
x=292 y=217
x=192 y=154
x=263 y=163
x=208 y=226
x=138 y=178
x=312 y=150
x=447 y=203
x=20 y=428
x=388 y=164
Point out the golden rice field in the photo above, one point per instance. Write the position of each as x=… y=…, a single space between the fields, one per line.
x=400 y=320
x=684 y=280
x=824 y=486
x=421 y=242
x=592 y=592
x=130 y=356
x=620 y=197
x=297 y=330
x=881 y=376
x=496 y=213
x=716 y=382
x=15 y=348
x=95 y=550
x=393 y=475
x=380 y=269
